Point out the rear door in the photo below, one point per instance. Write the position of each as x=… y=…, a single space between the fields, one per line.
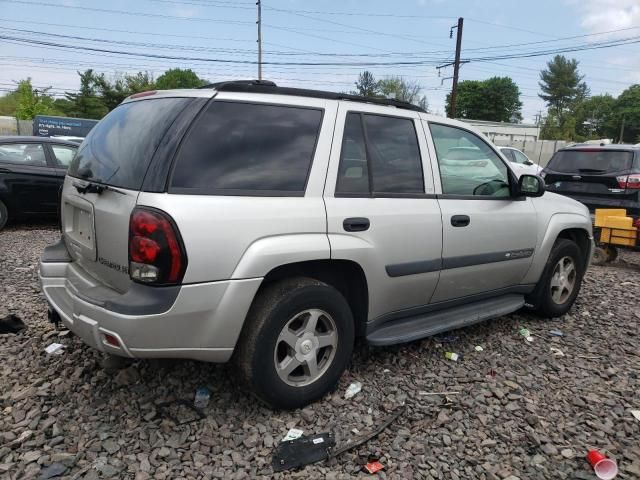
x=381 y=207
x=29 y=183
x=116 y=154
x=591 y=175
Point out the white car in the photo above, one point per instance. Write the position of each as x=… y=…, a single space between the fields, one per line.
x=520 y=162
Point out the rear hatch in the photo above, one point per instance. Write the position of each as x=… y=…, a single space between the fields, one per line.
x=592 y=174
x=103 y=183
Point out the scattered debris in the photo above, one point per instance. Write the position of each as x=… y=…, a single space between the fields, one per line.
x=526 y=334
x=492 y=373
x=604 y=468
x=201 y=400
x=556 y=333
x=11 y=324
x=437 y=393
x=447 y=338
x=180 y=416
x=557 y=352
x=636 y=413
x=302 y=451
x=293 y=434
x=373 y=465
x=353 y=390
x=452 y=356
x=54 y=470
x=55 y=349
x=478 y=348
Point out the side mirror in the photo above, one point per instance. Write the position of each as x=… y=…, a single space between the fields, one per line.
x=531 y=186
x=528 y=162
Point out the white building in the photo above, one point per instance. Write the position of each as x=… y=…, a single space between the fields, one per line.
x=506 y=132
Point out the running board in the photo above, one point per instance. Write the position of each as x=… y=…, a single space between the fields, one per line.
x=425 y=325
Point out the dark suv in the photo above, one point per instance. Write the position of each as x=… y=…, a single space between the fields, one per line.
x=603 y=176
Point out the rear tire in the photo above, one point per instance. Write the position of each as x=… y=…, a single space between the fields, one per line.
x=4 y=215
x=296 y=342
x=612 y=253
x=560 y=283
x=599 y=256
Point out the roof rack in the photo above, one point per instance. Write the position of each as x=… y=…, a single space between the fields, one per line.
x=266 y=86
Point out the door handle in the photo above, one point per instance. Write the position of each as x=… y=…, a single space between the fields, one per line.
x=460 y=220
x=356 y=224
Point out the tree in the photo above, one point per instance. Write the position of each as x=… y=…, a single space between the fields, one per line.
x=496 y=99
x=562 y=86
x=367 y=86
x=31 y=102
x=627 y=112
x=594 y=117
x=8 y=104
x=87 y=103
x=404 y=90
x=179 y=78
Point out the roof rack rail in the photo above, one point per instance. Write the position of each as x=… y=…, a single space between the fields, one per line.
x=266 y=86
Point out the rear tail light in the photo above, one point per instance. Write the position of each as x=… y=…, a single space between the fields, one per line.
x=156 y=253
x=631 y=182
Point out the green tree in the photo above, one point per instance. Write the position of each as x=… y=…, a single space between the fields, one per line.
x=179 y=78
x=31 y=102
x=367 y=86
x=627 y=111
x=594 y=117
x=404 y=90
x=8 y=104
x=562 y=86
x=87 y=103
x=496 y=99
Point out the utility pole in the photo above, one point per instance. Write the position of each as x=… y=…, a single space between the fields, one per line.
x=456 y=65
x=259 y=22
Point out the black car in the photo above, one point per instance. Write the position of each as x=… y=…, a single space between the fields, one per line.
x=32 y=170
x=601 y=176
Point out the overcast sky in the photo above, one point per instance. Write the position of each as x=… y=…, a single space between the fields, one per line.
x=295 y=31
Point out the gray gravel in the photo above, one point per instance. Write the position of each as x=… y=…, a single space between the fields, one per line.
x=521 y=411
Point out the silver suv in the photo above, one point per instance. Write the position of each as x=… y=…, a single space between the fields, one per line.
x=272 y=226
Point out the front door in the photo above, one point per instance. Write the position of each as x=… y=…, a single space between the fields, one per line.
x=381 y=207
x=488 y=236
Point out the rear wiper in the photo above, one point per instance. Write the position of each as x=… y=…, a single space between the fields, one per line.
x=90 y=187
x=591 y=170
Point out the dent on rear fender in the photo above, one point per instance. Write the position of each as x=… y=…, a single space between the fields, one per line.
x=265 y=254
x=556 y=224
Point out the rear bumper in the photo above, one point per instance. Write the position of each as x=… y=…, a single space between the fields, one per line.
x=201 y=322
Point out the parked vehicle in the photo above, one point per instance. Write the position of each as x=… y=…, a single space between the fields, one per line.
x=32 y=170
x=271 y=226
x=520 y=162
x=606 y=176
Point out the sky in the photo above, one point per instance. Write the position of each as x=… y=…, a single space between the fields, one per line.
x=322 y=44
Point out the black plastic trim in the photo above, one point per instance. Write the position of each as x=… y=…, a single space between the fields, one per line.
x=413 y=268
x=56 y=253
x=483 y=258
x=138 y=300
x=433 y=307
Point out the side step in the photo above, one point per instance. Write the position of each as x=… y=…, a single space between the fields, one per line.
x=425 y=325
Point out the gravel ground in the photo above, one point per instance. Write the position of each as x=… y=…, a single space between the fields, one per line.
x=519 y=412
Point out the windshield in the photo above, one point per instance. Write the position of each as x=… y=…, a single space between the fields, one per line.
x=119 y=149
x=591 y=161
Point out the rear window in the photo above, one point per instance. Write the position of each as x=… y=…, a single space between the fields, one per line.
x=119 y=149
x=248 y=149
x=591 y=161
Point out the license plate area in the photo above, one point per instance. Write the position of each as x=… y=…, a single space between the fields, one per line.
x=79 y=229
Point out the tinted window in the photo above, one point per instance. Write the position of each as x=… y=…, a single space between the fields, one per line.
x=509 y=154
x=468 y=166
x=119 y=149
x=591 y=161
x=520 y=157
x=23 y=154
x=242 y=148
x=392 y=155
x=63 y=155
x=353 y=176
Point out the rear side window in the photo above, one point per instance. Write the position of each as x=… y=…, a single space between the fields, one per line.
x=23 y=154
x=380 y=155
x=120 y=147
x=591 y=161
x=239 y=148
x=63 y=154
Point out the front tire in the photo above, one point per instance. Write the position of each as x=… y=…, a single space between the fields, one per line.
x=296 y=342
x=4 y=215
x=560 y=283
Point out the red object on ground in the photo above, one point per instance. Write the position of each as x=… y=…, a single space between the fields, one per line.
x=373 y=467
x=603 y=467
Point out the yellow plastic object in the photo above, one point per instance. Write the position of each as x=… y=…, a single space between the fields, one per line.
x=603 y=213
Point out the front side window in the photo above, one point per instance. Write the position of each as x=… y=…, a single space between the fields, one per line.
x=520 y=157
x=380 y=155
x=248 y=149
x=63 y=155
x=468 y=166
x=23 y=154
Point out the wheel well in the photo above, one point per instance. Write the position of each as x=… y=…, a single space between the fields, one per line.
x=345 y=276
x=579 y=237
